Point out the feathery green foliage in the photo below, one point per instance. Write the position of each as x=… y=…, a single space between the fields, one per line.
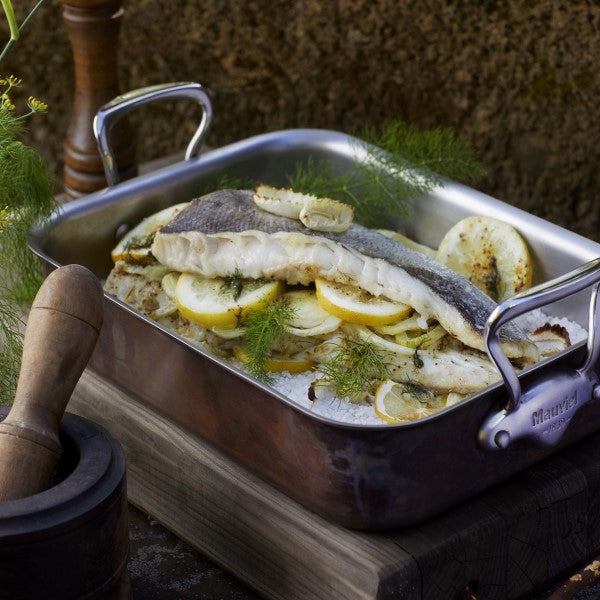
x=265 y=331
x=353 y=368
x=26 y=198
x=400 y=163
x=11 y=326
x=228 y=182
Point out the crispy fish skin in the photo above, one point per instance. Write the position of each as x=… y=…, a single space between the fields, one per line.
x=223 y=232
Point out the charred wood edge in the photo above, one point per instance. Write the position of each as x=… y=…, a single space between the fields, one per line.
x=93 y=31
x=584 y=578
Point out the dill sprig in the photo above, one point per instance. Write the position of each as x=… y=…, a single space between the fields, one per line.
x=353 y=367
x=11 y=340
x=26 y=195
x=26 y=198
x=400 y=163
x=226 y=181
x=233 y=284
x=16 y=30
x=265 y=331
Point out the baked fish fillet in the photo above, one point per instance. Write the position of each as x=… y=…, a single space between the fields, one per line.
x=223 y=233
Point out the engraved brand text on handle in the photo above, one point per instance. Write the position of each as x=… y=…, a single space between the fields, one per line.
x=544 y=414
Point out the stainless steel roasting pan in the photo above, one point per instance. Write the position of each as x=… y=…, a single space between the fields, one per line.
x=364 y=477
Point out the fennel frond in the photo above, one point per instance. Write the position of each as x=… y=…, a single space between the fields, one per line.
x=265 y=331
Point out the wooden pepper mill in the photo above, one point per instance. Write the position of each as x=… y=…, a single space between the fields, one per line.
x=62 y=329
x=93 y=29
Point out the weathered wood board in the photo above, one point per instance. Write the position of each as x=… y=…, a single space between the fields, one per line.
x=506 y=543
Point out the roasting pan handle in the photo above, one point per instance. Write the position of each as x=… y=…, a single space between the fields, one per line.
x=542 y=410
x=111 y=112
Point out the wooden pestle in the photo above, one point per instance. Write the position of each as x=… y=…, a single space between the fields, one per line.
x=62 y=329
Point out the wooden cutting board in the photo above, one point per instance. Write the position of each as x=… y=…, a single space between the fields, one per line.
x=517 y=538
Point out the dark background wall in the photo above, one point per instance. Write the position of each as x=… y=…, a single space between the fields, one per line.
x=519 y=79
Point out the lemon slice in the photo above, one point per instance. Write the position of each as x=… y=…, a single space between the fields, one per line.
x=366 y=335
x=490 y=254
x=169 y=285
x=394 y=404
x=354 y=305
x=209 y=302
x=309 y=318
x=227 y=333
x=135 y=245
x=406 y=241
x=415 y=323
x=277 y=364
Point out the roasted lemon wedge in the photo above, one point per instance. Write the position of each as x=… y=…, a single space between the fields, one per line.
x=490 y=254
x=395 y=404
x=277 y=364
x=354 y=305
x=212 y=303
x=135 y=245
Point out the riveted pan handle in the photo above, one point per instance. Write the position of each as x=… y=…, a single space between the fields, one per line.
x=543 y=409
x=117 y=108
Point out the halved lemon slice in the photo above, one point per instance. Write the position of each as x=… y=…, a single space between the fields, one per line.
x=211 y=303
x=395 y=404
x=354 y=305
x=277 y=364
x=135 y=245
x=490 y=254
x=309 y=318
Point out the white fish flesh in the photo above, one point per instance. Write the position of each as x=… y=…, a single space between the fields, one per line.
x=223 y=233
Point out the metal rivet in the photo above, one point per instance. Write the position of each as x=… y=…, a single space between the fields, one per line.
x=502 y=438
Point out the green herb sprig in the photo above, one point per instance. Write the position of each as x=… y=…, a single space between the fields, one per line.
x=26 y=198
x=26 y=195
x=11 y=326
x=15 y=29
x=353 y=367
x=265 y=331
x=400 y=164
x=233 y=284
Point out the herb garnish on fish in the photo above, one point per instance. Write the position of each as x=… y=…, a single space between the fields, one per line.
x=265 y=331
x=233 y=284
x=353 y=368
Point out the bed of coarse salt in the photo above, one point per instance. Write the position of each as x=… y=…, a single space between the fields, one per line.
x=295 y=387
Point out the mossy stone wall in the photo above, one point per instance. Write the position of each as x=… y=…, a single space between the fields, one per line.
x=518 y=78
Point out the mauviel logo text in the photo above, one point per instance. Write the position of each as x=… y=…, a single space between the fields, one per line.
x=545 y=414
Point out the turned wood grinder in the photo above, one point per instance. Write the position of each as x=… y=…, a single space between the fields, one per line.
x=62 y=329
